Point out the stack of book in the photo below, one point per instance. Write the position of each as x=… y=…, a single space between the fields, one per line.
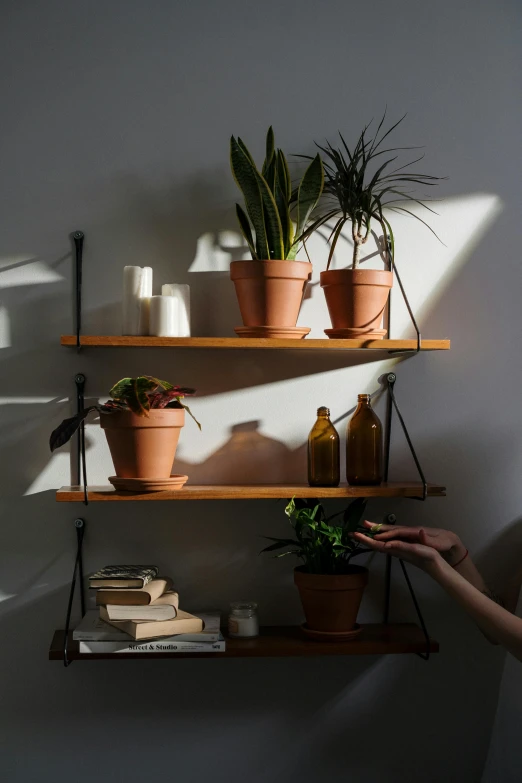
x=138 y=611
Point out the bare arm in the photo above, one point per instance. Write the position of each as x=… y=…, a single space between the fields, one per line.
x=496 y=622
x=441 y=554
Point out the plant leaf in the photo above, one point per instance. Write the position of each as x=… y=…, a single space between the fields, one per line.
x=64 y=431
x=273 y=228
x=138 y=400
x=246 y=176
x=246 y=230
x=270 y=149
x=310 y=190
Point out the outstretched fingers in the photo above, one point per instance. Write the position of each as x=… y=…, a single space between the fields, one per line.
x=389 y=532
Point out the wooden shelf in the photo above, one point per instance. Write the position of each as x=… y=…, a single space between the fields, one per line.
x=252 y=492
x=280 y=642
x=104 y=341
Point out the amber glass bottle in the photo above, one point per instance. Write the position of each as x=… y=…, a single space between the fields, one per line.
x=364 y=445
x=323 y=452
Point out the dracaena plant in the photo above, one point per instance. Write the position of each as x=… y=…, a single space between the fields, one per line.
x=139 y=395
x=359 y=186
x=323 y=546
x=271 y=203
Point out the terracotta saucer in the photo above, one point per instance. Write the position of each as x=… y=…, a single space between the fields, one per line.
x=147 y=484
x=331 y=636
x=355 y=334
x=280 y=332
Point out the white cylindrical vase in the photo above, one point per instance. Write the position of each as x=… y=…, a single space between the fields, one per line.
x=163 y=321
x=137 y=290
x=181 y=293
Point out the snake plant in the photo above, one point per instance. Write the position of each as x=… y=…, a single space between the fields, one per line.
x=267 y=224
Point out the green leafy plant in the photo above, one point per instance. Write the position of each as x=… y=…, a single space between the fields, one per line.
x=267 y=225
x=324 y=548
x=358 y=187
x=139 y=395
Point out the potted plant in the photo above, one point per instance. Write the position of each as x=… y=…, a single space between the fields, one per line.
x=357 y=189
x=142 y=422
x=330 y=587
x=270 y=287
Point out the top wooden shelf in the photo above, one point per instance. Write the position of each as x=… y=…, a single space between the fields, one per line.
x=119 y=341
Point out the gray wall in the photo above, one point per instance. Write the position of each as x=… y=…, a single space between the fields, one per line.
x=115 y=120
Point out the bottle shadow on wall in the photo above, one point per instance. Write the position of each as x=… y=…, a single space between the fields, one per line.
x=248 y=457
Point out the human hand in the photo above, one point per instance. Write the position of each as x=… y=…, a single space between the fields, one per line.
x=444 y=541
x=413 y=551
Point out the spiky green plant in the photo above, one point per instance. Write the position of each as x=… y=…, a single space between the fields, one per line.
x=268 y=225
x=357 y=189
x=324 y=548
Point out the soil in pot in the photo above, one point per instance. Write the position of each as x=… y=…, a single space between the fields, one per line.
x=356 y=300
x=331 y=603
x=143 y=446
x=269 y=293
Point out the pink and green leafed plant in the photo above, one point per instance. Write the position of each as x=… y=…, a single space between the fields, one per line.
x=139 y=395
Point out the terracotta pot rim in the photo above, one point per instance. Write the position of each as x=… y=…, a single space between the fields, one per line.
x=158 y=417
x=280 y=269
x=331 y=581
x=379 y=277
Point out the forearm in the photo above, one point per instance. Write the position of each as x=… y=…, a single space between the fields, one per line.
x=495 y=621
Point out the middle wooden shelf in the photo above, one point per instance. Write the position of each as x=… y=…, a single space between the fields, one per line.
x=391 y=489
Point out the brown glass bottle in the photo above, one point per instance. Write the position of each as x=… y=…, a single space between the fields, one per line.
x=323 y=452
x=364 y=445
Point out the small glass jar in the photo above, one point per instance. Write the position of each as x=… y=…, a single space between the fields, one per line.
x=242 y=620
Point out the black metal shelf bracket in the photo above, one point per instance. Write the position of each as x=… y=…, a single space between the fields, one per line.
x=392 y=405
x=391 y=519
x=393 y=268
x=79 y=524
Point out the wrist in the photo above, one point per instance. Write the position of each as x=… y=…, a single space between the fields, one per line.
x=457 y=552
x=437 y=566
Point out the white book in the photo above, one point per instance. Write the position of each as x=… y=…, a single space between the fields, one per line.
x=93 y=629
x=170 y=645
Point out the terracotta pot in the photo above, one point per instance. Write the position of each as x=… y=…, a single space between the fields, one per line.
x=270 y=293
x=143 y=446
x=356 y=300
x=331 y=603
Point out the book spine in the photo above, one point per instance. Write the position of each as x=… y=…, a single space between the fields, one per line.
x=151 y=647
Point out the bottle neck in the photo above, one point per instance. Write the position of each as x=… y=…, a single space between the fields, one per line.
x=364 y=402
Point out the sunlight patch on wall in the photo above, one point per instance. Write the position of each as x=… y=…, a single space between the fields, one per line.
x=215 y=251
x=25 y=270
x=5 y=327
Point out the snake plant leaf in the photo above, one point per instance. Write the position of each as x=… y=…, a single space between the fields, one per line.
x=246 y=230
x=138 y=400
x=247 y=179
x=245 y=149
x=68 y=427
x=309 y=192
x=283 y=175
x=284 y=216
x=273 y=228
x=270 y=175
x=270 y=150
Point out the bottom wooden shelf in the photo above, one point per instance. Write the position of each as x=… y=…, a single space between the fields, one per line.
x=282 y=641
